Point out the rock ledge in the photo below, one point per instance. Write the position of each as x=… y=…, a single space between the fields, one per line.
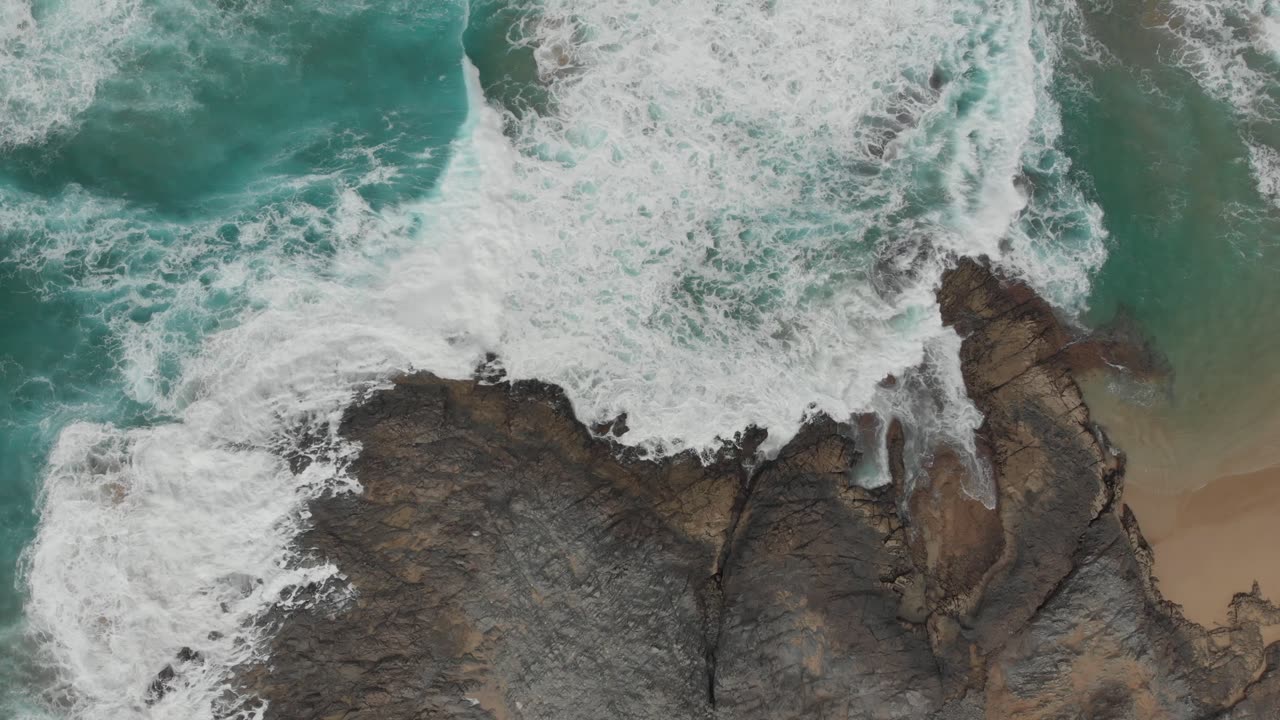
x=507 y=563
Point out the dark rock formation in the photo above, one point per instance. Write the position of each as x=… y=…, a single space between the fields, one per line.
x=508 y=563
x=810 y=624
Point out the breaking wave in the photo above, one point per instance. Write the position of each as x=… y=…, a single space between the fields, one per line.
x=709 y=215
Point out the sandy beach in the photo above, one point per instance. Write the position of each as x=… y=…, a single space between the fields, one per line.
x=1213 y=542
x=1206 y=493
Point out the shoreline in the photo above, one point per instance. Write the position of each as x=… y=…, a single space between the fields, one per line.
x=1212 y=542
x=1206 y=500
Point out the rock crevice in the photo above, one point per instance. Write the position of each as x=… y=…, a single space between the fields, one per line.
x=712 y=596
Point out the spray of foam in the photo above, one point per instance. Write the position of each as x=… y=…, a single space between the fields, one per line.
x=759 y=213
x=729 y=214
x=1265 y=162
x=1232 y=48
x=179 y=535
x=52 y=63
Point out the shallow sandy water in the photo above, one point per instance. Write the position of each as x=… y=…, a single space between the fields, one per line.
x=1213 y=542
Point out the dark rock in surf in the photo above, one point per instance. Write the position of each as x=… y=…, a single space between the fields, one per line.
x=616 y=427
x=164 y=681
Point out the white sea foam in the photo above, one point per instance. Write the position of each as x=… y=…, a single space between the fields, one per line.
x=1226 y=45
x=698 y=142
x=1264 y=161
x=731 y=214
x=52 y=63
x=1232 y=49
x=178 y=535
x=736 y=184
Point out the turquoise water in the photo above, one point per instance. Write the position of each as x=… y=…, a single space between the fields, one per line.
x=215 y=118
x=222 y=220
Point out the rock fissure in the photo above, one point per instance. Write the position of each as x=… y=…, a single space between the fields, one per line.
x=713 y=588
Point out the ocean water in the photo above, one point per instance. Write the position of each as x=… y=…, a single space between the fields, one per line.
x=1178 y=133
x=223 y=221
x=166 y=168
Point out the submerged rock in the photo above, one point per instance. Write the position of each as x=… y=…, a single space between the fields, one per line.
x=506 y=562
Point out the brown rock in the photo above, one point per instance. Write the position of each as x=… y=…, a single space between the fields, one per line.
x=508 y=563
x=955 y=539
x=812 y=592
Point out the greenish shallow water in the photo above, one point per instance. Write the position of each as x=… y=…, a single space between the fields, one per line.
x=1194 y=257
x=224 y=146
x=219 y=118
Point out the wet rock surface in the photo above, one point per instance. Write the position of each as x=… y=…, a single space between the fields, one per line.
x=506 y=562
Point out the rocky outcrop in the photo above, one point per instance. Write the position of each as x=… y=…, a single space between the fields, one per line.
x=506 y=562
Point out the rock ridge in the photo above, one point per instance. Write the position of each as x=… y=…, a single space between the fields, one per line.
x=508 y=562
